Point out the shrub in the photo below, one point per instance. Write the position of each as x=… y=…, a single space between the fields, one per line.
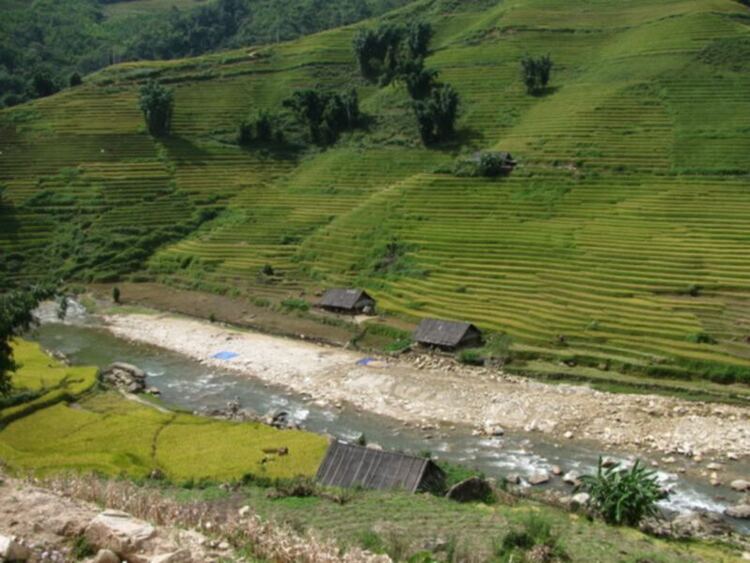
x=471 y=356
x=116 y=294
x=535 y=541
x=623 y=496
x=259 y=129
x=75 y=80
x=295 y=305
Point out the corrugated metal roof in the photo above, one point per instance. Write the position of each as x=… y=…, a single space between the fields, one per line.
x=442 y=333
x=347 y=465
x=342 y=298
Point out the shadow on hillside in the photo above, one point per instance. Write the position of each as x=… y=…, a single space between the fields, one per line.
x=180 y=149
x=9 y=223
x=544 y=92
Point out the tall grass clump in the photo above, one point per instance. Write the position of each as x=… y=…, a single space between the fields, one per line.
x=623 y=496
x=535 y=540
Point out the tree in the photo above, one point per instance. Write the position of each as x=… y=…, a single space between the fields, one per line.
x=436 y=116
x=535 y=73
x=258 y=129
x=43 y=83
x=418 y=38
x=420 y=82
x=116 y=294
x=308 y=105
x=75 y=80
x=15 y=318
x=325 y=115
x=156 y=103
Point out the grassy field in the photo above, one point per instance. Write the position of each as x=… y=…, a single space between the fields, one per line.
x=104 y=432
x=401 y=525
x=619 y=241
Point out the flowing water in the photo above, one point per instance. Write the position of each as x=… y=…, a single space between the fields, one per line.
x=189 y=384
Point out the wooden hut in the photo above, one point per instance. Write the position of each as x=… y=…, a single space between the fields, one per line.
x=447 y=335
x=352 y=301
x=347 y=465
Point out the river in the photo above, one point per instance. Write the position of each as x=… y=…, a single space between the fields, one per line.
x=191 y=385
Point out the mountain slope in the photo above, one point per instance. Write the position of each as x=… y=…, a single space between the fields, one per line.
x=619 y=240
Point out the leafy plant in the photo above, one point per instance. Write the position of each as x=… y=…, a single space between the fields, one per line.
x=623 y=496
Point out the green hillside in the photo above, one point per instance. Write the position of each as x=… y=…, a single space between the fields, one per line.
x=622 y=235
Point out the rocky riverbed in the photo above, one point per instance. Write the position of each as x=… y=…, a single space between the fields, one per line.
x=429 y=392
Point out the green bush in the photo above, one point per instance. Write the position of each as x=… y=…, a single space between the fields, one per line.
x=623 y=496
x=471 y=356
x=293 y=304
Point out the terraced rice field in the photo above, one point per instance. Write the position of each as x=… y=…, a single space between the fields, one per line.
x=620 y=238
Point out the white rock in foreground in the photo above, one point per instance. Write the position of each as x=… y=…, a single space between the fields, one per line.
x=11 y=550
x=118 y=531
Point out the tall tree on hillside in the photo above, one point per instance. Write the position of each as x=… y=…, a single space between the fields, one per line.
x=16 y=317
x=156 y=103
x=535 y=73
x=418 y=38
x=436 y=115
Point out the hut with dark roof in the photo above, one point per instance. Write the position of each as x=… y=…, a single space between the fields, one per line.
x=447 y=335
x=347 y=465
x=352 y=301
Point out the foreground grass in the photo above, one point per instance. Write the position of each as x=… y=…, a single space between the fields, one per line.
x=104 y=432
x=402 y=525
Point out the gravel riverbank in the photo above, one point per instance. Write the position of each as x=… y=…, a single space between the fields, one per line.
x=426 y=391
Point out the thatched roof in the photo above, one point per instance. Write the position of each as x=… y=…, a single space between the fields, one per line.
x=347 y=465
x=437 y=332
x=342 y=298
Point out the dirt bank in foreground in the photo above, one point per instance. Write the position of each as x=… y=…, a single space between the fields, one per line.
x=424 y=391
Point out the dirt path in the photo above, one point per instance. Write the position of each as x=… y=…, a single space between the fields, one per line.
x=425 y=391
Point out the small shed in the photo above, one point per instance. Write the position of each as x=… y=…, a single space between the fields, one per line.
x=347 y=465
x=345 y=300
x=448 y=335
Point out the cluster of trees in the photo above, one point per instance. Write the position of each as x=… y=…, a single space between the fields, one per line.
x=156 y=103
x=325 y=115
x=391 y=53
x=536 y=73
x=48 y=45
x=262 y=128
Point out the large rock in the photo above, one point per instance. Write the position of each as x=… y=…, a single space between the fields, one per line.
x=699 y=525
x=572 y=478
x=119 y=532
x=739 y=511
x=12 y=550
x=124 y=376
x=539 y=478
x=578 y=501
x=740 y=485
x=106 y=556
x=181 y=556
x=471 y=489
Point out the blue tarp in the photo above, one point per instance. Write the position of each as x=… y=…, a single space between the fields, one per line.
x=365 y=361
x=225 y=355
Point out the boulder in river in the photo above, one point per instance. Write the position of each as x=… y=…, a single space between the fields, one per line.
x=740 y=485
x=572 y=478
x=741 y=511
x=124 y=376
x=539 y=478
